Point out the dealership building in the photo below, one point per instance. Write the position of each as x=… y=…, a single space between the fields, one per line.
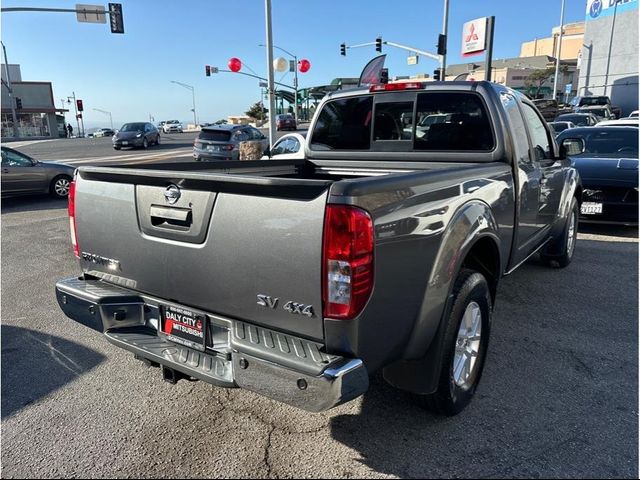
x=36 y=113
x=609 y=58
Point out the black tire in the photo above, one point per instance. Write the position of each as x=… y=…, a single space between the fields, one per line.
x=59 y=187
x=158 y=140
x=116 y=148
x=451 y=398
x=560 y=252
x=145 y=143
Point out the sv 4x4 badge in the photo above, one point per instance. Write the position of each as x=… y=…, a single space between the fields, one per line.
x=291 y=307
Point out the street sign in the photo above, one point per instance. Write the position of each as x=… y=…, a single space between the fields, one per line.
x=214 y=69
x=116 y=20
x=568 y=87
x=412 y=60
x=474 y=37
x=263 y=84
x=90 y=13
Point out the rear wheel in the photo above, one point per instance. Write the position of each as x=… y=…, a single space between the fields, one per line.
x=59 y=187
x=466 y=338
x=566 y=243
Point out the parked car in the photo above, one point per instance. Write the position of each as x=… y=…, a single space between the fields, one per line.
x=288 y=147
x=104 y=132
x=596 y=100
x=609 y=171
x=172 y=126
x=222 y=142
x=139 y=134
x=160 y=125
x=622 y=122
x=558 y=127
x=633 y=114
x=578 y=119
x=22 y=174
x=285 y=121
x=299 y=279
x=601 y=112
x=547 y=107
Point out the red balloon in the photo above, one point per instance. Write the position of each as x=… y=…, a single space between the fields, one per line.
x=234 y=64
x=304 y=65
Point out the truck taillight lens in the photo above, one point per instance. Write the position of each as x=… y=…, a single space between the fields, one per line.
x=72 y=219
x=347 y=261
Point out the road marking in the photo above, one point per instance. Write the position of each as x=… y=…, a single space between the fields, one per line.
x=151 y=156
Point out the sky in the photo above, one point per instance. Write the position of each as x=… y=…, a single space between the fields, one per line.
x=130 y=75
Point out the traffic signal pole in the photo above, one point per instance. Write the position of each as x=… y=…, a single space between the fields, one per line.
x=272 y=98
x=445 y=25
x=10 y=90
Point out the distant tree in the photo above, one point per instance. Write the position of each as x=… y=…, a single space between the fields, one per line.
x=257 y=111
x=537 y=79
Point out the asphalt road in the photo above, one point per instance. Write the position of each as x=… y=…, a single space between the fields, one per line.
x=99 y=151
x=559 y=395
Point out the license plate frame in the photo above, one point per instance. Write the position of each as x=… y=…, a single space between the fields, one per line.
x=591 y=208
x=124 y=142
x=183 y=323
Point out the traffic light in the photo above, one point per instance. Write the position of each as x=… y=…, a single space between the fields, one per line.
x=436 y=74
x=442 y=44
x=384 y=75
x=207 y=70
x=115 y=18
x=343 y=49
x=379 y=44
x=79 y=105
x=18 y=103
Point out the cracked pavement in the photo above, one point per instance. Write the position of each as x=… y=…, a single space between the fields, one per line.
x=558 y=398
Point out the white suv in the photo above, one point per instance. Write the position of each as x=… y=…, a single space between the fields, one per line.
x=171 y=126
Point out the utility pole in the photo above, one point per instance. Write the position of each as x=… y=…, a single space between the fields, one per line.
x=445 y=24
x=272 y=100
x=559 y=52
x=193 y=95
x=10 y=90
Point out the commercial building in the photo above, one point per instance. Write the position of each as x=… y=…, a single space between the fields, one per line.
x=609 y=61
x=34 y=107
x=572 y=40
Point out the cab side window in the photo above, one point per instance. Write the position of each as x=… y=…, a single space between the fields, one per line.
x=539 y=138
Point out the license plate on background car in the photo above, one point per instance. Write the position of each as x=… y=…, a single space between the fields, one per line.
x=184 y=326
x=591 y=208
x=125 y=143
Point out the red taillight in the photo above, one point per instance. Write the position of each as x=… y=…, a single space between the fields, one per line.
x=391 y=87
x=347 y=261
x=72 y=219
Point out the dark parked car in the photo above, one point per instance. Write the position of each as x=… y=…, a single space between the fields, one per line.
x=222 y=142
x=22 y=174
x=579 y=119
x=609 y=171
x=285 y=122
x=140 y=134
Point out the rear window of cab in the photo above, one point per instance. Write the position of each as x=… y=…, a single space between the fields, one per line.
x=445 y=121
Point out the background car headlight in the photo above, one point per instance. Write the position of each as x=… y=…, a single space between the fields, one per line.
x=138 y=135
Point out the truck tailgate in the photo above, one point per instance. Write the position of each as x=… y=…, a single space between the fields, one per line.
x=216 y=247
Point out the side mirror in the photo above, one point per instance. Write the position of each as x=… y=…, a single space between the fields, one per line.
x=571 y=146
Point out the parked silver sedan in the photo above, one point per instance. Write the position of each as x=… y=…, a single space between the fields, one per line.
x=22 y=174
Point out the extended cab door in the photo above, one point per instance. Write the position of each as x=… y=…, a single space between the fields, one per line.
x=543 y=155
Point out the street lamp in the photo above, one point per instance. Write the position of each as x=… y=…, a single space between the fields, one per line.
x=295 y=80
x=193 y=94
x=106 y=113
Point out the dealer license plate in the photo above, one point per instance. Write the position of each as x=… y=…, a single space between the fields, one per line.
x=184 y=326
x=591 y=208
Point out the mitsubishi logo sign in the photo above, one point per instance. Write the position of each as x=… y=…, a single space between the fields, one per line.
x=474 y=37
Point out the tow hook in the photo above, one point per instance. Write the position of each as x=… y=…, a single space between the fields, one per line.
x=172 y=376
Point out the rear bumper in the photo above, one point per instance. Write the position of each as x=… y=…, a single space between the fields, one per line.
x=279 y=366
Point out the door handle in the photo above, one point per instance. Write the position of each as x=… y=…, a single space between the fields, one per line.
x=170 y=217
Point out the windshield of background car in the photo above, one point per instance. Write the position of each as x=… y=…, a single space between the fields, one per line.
x=608 y=141
x=132 y=127
x=446 y=121
x=579 y=120
x=593 y=101
x=215 y=135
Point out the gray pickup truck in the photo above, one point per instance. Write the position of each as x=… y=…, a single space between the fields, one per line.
x=298 y=279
